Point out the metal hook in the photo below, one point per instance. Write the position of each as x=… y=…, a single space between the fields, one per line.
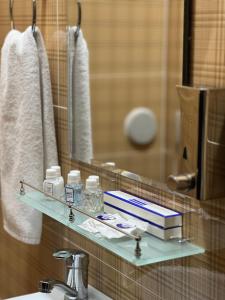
x=11 y=2
x=34 y=18
x=79 y=20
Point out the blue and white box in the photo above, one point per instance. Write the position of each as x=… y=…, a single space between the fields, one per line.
x=163 y=222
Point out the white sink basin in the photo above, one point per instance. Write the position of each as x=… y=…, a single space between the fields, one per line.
x=58 y=294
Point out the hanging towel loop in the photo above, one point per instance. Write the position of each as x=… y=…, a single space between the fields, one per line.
x=34 y=16
x=11 y=14
x=79 y=19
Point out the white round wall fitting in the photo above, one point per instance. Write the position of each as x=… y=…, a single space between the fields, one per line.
x=140 y=126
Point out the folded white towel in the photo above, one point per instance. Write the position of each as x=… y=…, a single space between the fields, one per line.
x=79 y=107
x=27 y=133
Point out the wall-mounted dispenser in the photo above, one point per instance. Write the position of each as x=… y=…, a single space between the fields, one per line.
x=202 y=148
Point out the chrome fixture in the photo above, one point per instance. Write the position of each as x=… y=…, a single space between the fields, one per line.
x=47 y=285
x=79 y=20
x=11 y=14
x=34 y=16
x=76 y=279
x=181 y=183
x=76 y=270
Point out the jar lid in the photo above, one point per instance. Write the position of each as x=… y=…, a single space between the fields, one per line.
x=91 y=183
x=58 y=170
x=73 y=178
x=51 y=173
x=75 y=172
x=96 y=177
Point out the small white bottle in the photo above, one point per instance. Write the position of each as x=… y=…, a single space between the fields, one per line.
x=58 y=173
x=73 y=189
x=100 y=190
x=60 y=180
x=91 y=203
x=50 y=183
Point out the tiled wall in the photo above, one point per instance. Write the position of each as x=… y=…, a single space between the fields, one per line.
x=197 y=278
x=209 y=41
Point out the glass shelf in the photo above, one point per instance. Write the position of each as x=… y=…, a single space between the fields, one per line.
x=153 y=250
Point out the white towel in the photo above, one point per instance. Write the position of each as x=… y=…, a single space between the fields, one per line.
x=27 y=132
x=79 y=107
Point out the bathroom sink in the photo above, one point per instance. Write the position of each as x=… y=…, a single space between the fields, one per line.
x=58 y=294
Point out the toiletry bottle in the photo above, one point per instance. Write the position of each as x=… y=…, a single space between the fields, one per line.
x=50 y=183
x=91 y=202
x=73 y=189
x=99 y=190
x=60 y=180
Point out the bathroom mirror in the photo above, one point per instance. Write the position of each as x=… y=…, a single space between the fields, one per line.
x=136 y=53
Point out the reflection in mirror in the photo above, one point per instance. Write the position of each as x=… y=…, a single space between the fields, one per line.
x=135 y=50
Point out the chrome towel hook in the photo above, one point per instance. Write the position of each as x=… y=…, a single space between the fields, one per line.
x=11 y=2
x=79 y=19
x=34 y=17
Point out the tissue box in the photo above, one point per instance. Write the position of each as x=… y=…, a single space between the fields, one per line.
x=163 y=222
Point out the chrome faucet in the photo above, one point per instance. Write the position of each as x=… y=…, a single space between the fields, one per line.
x=47 y=285
x=76 y=279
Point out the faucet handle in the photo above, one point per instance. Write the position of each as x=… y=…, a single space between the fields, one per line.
x=64 y=254
x=73 y=258
x=67 y=255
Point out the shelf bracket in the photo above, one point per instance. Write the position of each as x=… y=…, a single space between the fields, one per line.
x=138 y=248
x=22 y=189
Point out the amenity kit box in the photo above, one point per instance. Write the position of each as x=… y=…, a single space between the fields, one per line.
x=163 y=222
